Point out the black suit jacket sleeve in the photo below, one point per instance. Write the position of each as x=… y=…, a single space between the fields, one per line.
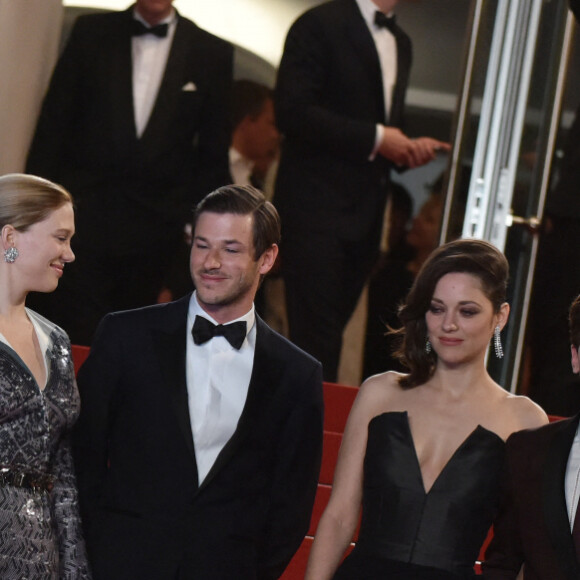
x=97 y=381
x=504 y=557
x=61 y=108
x=295 y=480
x=303 y=112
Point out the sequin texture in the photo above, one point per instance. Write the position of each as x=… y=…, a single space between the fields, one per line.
x=40 y=532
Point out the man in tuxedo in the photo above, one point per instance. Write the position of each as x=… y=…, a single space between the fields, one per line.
x=539 y=520
x=199 y=442
x=339 y=103
x=255 y=138
x=136 y=125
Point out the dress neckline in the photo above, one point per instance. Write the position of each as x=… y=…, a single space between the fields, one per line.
x=479 y=429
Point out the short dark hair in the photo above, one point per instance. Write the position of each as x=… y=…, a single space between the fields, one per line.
x=248 y=99
x=475 y=257
x=245 y=200
x=574 y=322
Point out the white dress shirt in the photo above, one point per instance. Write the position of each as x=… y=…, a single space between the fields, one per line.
x=386 y=46
x=572 y=483
x=218 y=378
x=149 y=54
x=240 y=168
x=42 y=335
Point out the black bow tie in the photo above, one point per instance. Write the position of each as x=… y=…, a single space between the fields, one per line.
x=384 y=21
x=204 y=330
x=139 y=29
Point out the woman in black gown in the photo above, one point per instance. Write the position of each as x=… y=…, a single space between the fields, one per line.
x=422 y=452
x=40 y=531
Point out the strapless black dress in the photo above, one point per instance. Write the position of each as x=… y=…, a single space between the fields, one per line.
x=409 y=534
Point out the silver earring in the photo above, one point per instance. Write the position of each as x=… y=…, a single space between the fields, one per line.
x=428 y=346
x=497 y=342
x=10 y=255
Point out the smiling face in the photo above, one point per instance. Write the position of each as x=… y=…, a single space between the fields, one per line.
x=44 y=249
x=461 y=320
x=225 y=272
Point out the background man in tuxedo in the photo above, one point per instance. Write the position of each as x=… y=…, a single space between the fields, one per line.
x=136 y=125
x=340 y=95
x=539 y=521
x=198 y=458
x=255 y=137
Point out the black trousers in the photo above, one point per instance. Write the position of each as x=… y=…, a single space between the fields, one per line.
x=324 y=277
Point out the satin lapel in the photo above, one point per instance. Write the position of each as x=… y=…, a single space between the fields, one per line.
x=554 y=503
x=403 y=70
x=259 y=394
x=364 y=45
x=121 y=85
x=170 y=341
x=172 y=83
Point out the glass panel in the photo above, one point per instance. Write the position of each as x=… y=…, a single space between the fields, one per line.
x=533 y=169
x=545 y=371
x=478 y=49
x=500 y=149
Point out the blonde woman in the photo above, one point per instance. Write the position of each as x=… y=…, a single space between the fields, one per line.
x=40 y=532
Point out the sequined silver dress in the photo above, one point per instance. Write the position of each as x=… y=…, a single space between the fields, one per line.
x=40 y=532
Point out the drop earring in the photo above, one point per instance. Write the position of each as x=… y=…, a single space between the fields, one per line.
x=497 y=342
x=428 y=346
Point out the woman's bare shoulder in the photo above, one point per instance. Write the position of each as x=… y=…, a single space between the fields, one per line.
x=522 y=412
x=379 y=392
x=381 y=385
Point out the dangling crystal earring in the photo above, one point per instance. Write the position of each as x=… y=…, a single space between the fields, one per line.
x=428 y=346
x=497 y=342
x=10 y=255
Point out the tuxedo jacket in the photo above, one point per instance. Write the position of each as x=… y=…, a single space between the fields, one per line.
x=329 y=99
x=533 y=527
x=144 y=514
x=86 y=137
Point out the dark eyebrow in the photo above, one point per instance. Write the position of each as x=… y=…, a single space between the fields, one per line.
x=461 y=303
x=224 y=242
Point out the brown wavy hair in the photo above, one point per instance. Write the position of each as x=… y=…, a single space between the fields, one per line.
x=475 y=257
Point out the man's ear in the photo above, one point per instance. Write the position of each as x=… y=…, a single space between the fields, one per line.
x=575 y=359
x=267 y=259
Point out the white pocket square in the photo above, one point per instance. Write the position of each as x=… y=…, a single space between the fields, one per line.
x=189 y=87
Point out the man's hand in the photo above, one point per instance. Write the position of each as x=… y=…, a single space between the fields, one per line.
x=405 y=152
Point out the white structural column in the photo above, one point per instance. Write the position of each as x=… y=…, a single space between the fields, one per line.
x=29 y=36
